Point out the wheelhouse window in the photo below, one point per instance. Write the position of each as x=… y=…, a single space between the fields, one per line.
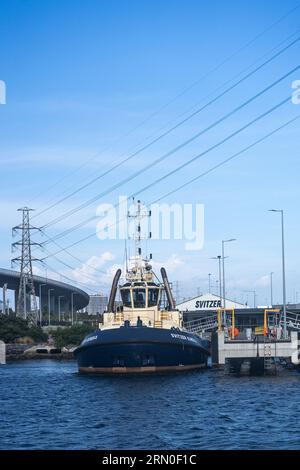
x=152 y=297
x=139 y=298
x=126 y=299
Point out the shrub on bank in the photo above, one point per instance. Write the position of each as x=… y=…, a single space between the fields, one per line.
x=72 y=335
x=13 y=328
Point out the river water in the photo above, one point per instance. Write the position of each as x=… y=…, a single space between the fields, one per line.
x=48 y=405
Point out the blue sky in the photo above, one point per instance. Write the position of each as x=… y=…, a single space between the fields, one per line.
x=81 y=76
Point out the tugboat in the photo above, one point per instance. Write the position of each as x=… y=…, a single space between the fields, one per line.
x=142 y=335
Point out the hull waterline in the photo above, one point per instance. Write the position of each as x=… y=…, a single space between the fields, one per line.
x=141 y=350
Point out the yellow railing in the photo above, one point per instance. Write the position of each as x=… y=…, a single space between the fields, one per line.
x=224 y=310
x=266 y=312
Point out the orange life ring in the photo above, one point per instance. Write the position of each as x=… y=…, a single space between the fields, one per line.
x=235 y=332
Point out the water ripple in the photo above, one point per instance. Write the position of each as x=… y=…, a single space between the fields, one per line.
x=47 y=405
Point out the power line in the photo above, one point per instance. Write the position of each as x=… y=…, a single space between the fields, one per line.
x=213 y=147
x=163 y=157
x=184 y=91
x=190 y=116
x=73 y=256
x=223 y=162
x=68 y=253
x=69 y=266
x=171 y=121
x=261 y=116
x=68 y=278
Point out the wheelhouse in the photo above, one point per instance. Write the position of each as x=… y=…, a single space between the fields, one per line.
x=140 y=295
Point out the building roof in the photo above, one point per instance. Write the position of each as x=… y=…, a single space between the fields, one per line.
x=12 y=279
x=206 y=302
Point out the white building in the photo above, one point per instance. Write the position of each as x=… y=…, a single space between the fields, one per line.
x=207 y=302
x=97 y=304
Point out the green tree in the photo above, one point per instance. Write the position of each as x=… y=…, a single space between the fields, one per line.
x=13 y=328
x=72 y=335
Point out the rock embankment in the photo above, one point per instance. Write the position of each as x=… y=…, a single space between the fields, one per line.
x=41 y=351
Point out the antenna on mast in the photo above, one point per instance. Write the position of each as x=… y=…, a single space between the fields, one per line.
x=140 y=213
x=126 y=257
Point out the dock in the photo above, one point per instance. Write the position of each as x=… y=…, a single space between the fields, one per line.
x=245 y=347
x=2 y=353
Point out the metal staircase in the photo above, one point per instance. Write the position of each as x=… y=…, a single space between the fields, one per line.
x=202 y=325
x=292 y=320
x=209 y=323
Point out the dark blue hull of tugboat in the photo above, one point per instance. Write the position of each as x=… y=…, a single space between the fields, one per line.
x=141 y=350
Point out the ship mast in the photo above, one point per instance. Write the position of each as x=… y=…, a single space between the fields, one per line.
x=139 y=214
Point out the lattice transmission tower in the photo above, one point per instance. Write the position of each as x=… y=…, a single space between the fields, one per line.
x=26 y=304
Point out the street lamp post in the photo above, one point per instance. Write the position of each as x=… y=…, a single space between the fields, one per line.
x=283 y=271
x=271 y=287
x=4 y=290
x=72 y=306
x=49 y=304
x=254 y=296
x=223 y=267
x=40 y=299
x=220 y=280
x=59 y=297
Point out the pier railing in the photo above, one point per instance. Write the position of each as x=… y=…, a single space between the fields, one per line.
x=292 y=320
x=202 y=325
x=210 y=323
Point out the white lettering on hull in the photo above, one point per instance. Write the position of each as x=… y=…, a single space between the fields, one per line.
x=87 y=340
x=180 y=336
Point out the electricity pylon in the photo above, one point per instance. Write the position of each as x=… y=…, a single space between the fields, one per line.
x=26 y=304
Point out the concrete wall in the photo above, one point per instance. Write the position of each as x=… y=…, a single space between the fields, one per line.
x=2 y=353
x=245 y=349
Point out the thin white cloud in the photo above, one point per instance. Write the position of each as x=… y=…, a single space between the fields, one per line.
x=88 y=273
x=263 y=281
x=171 y=264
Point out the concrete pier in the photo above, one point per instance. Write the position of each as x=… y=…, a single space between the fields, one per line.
x=244 y=348
x=260 y=353
x=2 y=352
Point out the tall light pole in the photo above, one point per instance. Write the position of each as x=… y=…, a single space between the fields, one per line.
x=40 y=300
x=4 y=290
x=283 y=270
x=223 y=266
x=254 y=296
x=59 y=297
x=220 y=280
x=72 y=306
x=271 y=287
x=49 y=304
